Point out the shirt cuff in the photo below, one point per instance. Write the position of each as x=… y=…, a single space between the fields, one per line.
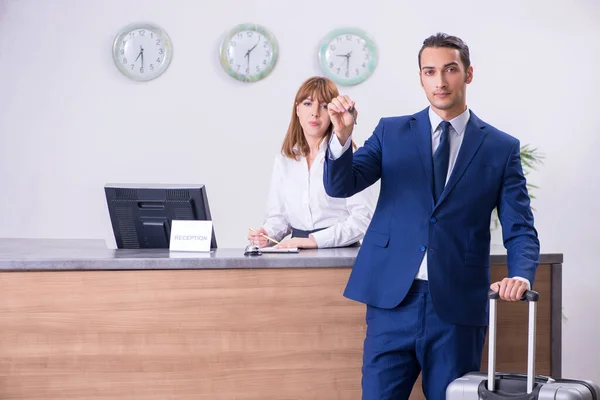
x=335 y=147
x=524 y=280
x=323 y=238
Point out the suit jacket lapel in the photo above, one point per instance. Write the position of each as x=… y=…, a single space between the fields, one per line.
x=474 y=135
x=421 y=129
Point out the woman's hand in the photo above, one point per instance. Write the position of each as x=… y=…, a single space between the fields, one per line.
x=256 y=238
x=301 y=243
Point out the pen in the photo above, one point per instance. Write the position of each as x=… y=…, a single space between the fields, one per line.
x=265 y=236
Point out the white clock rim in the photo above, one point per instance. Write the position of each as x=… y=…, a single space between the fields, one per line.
x=223 y=60
x=167 y=45
x=326 y=41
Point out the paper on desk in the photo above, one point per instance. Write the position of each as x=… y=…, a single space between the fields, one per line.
x=279 y=250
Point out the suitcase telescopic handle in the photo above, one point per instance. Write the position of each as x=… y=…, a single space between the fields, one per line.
x=532 y=298
x=530 y=295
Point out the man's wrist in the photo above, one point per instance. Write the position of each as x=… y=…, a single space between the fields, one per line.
x=342 y=139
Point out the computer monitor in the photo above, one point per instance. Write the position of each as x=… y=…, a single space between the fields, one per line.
x=141 y=215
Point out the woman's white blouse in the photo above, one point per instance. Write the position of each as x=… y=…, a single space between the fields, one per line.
x=297 y=199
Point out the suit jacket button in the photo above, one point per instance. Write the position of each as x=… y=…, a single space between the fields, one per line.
x=422 y=248
x=433 y=220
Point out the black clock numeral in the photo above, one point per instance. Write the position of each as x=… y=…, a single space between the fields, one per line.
x=338 y=71
x=132 y=65
x=339 y=38
x=257 y=68
x=124 y=41
x=122 y=51
x=124 y=61
x=267 y=53
x=247 y=71
x=249 y=33
x=264 y=62
x=332 y=47
x=348 y=37
x=157 y=42
x=239 y=36
x=330 y=65
x=233 y=43
x=364 y=47
x=160 y=51
x=265 y=44
x=152 y=67
x=158 y=60
x=347 y=74
x=141 y=70
x=364 y=65
x=357 y=71
x=231 y=61
x=151 y=35
x=238 y=67
x=142 y=32
x=132 y=34
x=367 y=57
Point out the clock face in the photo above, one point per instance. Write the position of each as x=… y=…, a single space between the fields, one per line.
x=348 y=56
x=142 y=51
x=248 y=53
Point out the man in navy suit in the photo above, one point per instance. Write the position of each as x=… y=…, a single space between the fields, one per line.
x=423 y=269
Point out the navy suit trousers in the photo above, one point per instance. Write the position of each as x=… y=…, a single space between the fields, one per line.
x=411 y=338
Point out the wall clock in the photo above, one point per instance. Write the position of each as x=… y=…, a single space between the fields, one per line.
x=142 y=51
x=248 y=52
x=348 y=56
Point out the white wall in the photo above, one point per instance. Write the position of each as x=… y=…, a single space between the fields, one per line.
x=70 y=122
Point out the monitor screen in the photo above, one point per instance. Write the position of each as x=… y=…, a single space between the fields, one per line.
x=141 y=215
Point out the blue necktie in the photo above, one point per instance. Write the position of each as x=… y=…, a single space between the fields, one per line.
x=441 y=158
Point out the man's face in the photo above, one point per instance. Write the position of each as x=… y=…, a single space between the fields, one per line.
x=444 y=79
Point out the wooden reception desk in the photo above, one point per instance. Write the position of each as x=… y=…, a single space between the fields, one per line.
x=80 y=321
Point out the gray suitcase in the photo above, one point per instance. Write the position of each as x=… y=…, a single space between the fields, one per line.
x=492 y=386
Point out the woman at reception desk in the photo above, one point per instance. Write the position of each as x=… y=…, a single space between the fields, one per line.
x=297 y=202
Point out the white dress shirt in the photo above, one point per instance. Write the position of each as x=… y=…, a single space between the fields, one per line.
x=297 y=199
x=455 y=134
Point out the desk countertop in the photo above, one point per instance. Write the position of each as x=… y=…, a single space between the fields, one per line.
x=92 y=254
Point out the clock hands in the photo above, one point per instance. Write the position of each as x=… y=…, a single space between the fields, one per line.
x=347 y=55
x=248 y=54
x=141 y=55
x=253 y=47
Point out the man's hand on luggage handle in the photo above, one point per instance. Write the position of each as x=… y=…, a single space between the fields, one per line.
x=510 y=289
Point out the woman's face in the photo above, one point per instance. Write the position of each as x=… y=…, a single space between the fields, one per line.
x=313 y=117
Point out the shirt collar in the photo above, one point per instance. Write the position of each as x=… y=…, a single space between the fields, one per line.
x=459 y=123
x=322 y=146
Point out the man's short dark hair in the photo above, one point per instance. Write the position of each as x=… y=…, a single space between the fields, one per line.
x=453 y=42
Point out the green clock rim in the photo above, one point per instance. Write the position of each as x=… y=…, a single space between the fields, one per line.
x=370 y=44
x=141 y=25
x=223 y=54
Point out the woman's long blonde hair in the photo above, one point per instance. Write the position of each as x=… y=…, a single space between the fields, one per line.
x=319 y=89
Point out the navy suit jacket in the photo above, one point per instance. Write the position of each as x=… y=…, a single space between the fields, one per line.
x=453 y=234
